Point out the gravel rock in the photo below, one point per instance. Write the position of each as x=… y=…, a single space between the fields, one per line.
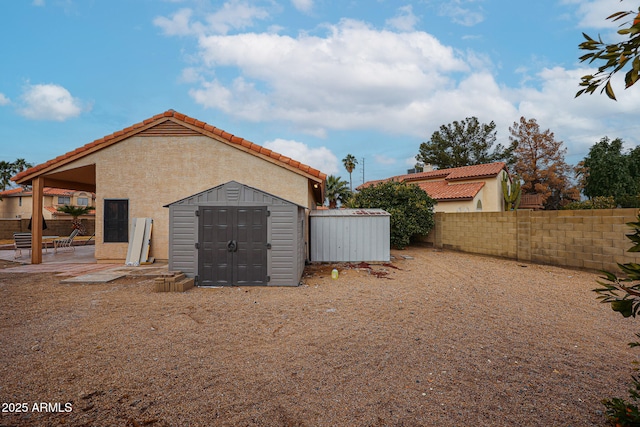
x=436 y=338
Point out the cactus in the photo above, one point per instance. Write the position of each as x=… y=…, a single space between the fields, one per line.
x=511 y=193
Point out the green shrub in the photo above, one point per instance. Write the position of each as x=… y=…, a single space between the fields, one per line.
x=629 y=201
x=623 y=293
x=598 y=202
x=410 y=207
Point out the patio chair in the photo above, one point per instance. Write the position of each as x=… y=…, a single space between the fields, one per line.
x=66 y=242
x=21 y=241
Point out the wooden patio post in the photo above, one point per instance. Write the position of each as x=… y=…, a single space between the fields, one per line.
x=36 y=220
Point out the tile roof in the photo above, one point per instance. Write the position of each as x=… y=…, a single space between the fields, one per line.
x=440 y=184
x=442 y=190
x=47 y=191
x=187 y=121
x=14 y=192
x=460 y=173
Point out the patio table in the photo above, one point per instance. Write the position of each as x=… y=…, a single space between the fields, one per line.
x=48 y=239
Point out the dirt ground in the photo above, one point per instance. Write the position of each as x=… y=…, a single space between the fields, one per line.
x=434 y=339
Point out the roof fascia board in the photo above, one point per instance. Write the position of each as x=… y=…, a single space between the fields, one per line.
x=80 y=152
x=57 y=183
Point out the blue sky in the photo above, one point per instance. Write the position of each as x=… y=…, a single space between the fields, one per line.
x=312 y=79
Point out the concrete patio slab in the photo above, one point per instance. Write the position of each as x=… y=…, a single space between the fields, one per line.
x=78 y=266
x=104 y=276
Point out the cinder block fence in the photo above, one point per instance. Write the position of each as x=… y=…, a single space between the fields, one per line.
x=55 y=227
x=593 y=239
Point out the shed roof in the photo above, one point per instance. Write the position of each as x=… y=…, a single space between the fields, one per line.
x=350 y=212
x=235 y=186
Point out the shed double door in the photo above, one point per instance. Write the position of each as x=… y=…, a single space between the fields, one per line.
x=233 y=245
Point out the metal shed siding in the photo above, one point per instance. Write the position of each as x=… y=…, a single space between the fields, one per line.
x=350 y=235
x=285 y=259
x=183 y=236
x=284 y=244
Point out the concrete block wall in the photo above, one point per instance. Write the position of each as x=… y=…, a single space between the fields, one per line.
x=592 y=239
x=55 y=227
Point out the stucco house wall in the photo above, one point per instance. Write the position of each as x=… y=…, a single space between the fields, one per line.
x=154 y=171
x=151 y=170
x=18 y=203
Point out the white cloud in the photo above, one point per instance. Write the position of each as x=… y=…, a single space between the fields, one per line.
x=303 y=5
x=320 y=158
x=354 y=77
x=177 y=25
x=593 y=14
x=384 y=160
x=4 y=100
x=49 y=102
x=411 y=161
x=38 y=2
x=405 y=20
x=460 y=12
x=233 y=15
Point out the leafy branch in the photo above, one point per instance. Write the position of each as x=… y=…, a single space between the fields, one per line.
x=616 y=57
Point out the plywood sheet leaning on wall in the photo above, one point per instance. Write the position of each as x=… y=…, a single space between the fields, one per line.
x=139 y=241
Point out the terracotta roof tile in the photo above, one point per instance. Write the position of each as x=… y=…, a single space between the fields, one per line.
x=133 y=129
x=440 y=184
x=12 y=192
x=442 y=190
x=47 y=191
x=452 y=174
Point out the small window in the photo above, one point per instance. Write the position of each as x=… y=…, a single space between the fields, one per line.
x=83 y=201
x=64 y=200
x=116 y=220
x=479 y=206
x=20 y=201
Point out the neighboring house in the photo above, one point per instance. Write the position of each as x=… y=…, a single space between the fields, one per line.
x=137 y=171
x=465 y=189
x=18 y=202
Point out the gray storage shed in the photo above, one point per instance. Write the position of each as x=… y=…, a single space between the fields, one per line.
x=234 y=234
x=350 y=235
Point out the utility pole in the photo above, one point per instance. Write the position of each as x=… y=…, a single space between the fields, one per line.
x=363 y=170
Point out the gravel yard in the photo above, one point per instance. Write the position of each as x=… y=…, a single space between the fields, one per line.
x=437 y=338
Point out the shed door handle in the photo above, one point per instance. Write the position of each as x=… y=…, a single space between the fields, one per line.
x=232 y=246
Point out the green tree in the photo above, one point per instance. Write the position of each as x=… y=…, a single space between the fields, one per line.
x=75 y=212
x=613 y=57
x=336 y=190
x=410 y=207
x=540 y=164
x=6 y=172
x=606 y=171
x=9 y=169
x=350 y=163
x=623 y=293
x=463 y=143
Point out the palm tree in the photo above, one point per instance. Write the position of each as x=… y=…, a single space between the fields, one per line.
x=8 y=169
x=350 y=163
x=75 y=212
x=336 y=191
x=21 y=165
x=6 y=172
